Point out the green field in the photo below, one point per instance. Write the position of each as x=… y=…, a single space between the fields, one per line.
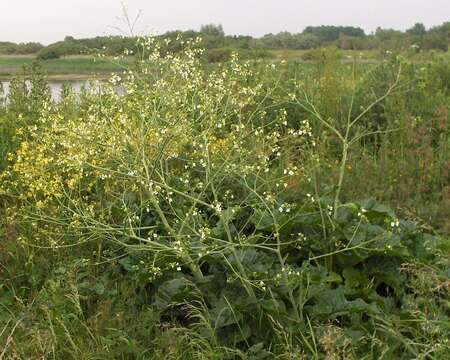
x=351 y=55
x=291 y=54
x=83 y=65
x=246 y=210
x=86 y=66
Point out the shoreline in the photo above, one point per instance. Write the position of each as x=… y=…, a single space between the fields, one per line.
x=64 y=77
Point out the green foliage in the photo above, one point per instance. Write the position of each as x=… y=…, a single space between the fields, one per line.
x=332 y=33
x=286 y=40
x=216 y=41
x=418 y=30
x=20 y=49
x=210 y=211
x=435 y=40
x=212 y=30
x=48 y=54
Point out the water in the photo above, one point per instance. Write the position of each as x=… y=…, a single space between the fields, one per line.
x=55 y=87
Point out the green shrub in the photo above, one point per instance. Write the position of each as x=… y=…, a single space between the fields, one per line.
x=48 y=54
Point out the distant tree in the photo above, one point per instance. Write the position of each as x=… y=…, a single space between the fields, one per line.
x=286 y=40
x=28 y=48
x=418 y=30
x=22 y=48
x=312 y=37
x=306 y=41
x=328 y=33
x=435 y=41
x=48 y=54
x=240 y=41
x=7 y=47
x=443 y=29
x=387 y=34
x=212 y=30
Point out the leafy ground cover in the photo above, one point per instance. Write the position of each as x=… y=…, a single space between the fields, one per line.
x=248 y=210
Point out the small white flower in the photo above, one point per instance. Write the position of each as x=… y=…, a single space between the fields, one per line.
x=395 y=223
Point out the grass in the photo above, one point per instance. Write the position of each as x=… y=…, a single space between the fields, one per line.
x=73 y=65
x=292 y=54
x=368 y=56
x=76 y=66
x=12 y=63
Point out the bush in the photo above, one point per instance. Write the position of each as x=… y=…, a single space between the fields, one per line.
x=435 y=41
x=48 y=54
x=321 y=55
x=218 y=55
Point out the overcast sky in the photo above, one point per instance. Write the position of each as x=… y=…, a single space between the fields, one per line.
x=48 y=21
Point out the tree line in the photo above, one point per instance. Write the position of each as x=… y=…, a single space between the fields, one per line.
x=219 y=45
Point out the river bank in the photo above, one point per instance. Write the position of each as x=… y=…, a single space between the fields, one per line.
x=64 y=69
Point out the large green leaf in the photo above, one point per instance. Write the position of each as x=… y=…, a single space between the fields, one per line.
x=174 y=291
x=332 y=302
x=222 y=314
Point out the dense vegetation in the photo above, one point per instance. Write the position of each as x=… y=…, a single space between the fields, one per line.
x=245 y=210
x=10 y=48
x=219 y=46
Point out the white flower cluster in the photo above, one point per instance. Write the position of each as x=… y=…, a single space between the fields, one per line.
x=285 y=207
